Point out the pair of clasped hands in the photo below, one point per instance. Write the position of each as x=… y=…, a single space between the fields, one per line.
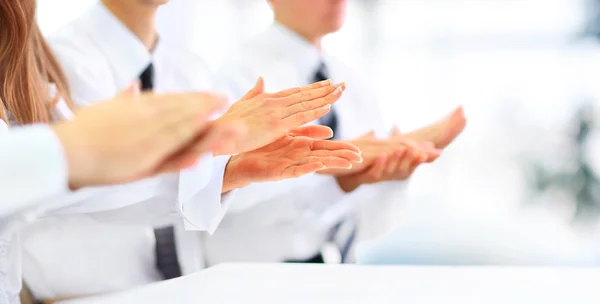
x=138 y=135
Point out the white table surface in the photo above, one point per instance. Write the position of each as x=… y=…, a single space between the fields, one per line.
x=285 y=283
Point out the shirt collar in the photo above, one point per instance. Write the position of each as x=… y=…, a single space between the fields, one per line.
x=126 y=54
x=304 y=56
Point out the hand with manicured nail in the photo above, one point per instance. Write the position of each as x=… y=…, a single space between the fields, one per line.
x=291 y=156
x=393 y=158
x=268 y=116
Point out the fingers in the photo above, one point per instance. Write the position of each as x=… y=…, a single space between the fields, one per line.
x=312 y=94
x=376 y=171
x=210 y=102
x=407 y=142
x=174 y=107
x=170 y=107
x=310 y=100
x=312 y=164
x=412 y=169
x=431 y=153
x=416 y=161
x=288 y=92
x=375 y=148
x=258 y=89
x=457 y=125
x=316 y=132
x=334 y=145
x=406 y=163
x=205 y=143
x=409 y=168
x=184 y=119
x=344 y=154
x=333 y=162
x=220 y=139
x=368 y=135
x=305 y=117
x=301 y=170
x=394 y=160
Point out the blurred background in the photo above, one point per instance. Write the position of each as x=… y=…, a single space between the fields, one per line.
x=526 y=71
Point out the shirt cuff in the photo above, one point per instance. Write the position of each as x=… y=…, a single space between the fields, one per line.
x=204 y=208
x=34 y=168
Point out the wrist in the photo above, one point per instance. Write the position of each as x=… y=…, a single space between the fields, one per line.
x=218 y=151
x=79 y=162
x=234 y=178
x=347 y=183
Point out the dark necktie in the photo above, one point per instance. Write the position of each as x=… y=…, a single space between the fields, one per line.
x=166 y=250
x=345 y=231
x=166 y=253
x=330 y=119
x=147 y=78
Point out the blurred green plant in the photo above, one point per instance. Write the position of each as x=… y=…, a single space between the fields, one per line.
x=576 y=176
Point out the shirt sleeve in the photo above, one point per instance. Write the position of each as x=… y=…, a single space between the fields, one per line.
x=192 y=195
x=203 y=208
x=32 y=168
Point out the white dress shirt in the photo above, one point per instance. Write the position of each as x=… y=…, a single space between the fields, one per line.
x=33 y=169
x=23 y=169
x=292 y=219
x=101 y=57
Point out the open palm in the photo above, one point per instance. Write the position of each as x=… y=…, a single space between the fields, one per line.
x=269 y=116
x=293 y=156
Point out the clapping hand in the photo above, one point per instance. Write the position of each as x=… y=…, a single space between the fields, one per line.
x=392 y=158
x=268 y=117
x=136 y=136
x=291 y=156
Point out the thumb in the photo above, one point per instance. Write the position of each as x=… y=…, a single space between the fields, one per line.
x=368 y=135
x=258 y=89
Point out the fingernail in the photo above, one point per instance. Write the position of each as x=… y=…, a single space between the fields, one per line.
x=339 y=90
x=342 y=85
x=325 y=82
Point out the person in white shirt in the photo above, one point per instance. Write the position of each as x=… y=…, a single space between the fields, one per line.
x=302 y=220
x=54 y=160
x=114 y=44
x=35 y=91
x=110 y=159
